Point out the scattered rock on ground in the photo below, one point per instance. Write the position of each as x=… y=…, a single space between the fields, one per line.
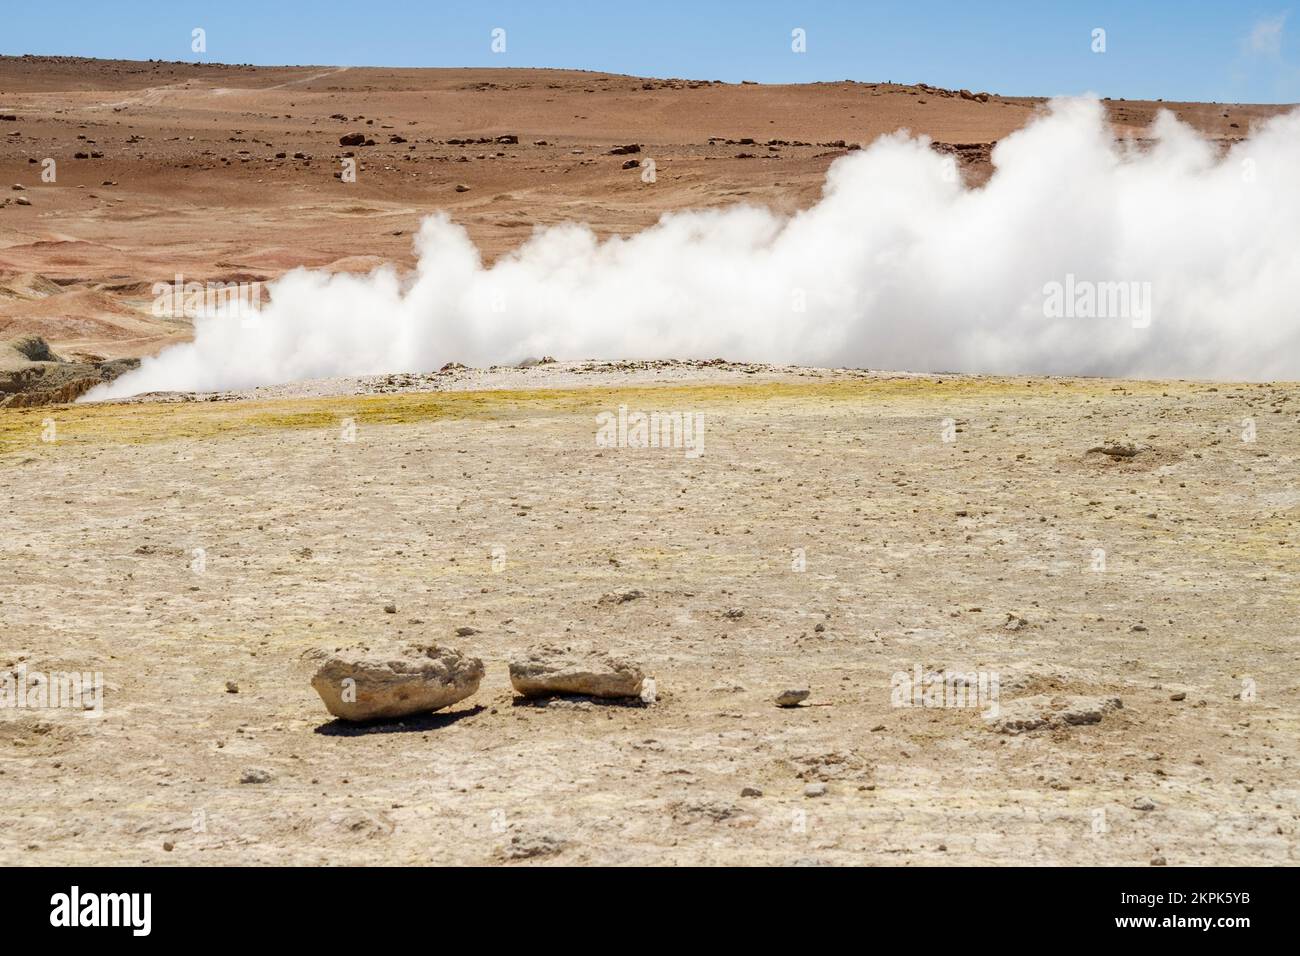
x=702 y=808
x=526 y=847
x=1115 y=449
x=792 y=698
x=621 y=597
x=1041 y=711
x=550 y=669
x=375 y=687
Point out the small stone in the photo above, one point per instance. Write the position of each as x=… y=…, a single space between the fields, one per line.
x=750 y=792
x=621 y=597
x=526 y=847
x=815 y=790
x=168 y=847
x=466 y=631
x=792 y=697
x=255 y=775
x=232 y=687
x=1115 y=449
x=1027 y=714
x=1181 y=695
x=649 y=691
x=390 y=608
x=1159 y=861
x=462 y=188
x=1144 y=804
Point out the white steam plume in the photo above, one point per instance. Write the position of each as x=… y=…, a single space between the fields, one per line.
x=898 y=266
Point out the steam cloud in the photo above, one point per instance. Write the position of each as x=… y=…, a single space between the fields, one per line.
x=898 y=266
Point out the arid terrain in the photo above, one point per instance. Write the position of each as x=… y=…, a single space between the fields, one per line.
x=496 y=510
x=1119 y=556
x=228 y=173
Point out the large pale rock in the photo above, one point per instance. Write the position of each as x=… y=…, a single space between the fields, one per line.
x=374 y=687
x=561 y=670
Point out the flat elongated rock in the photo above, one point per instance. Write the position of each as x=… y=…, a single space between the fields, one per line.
x=376 y=687
x=1028 y=714
x=561 y=670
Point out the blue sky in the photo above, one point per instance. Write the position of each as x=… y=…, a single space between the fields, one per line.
x=1189 y=50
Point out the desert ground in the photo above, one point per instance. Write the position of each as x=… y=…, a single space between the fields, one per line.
x=1121 y=555
x=977 y=554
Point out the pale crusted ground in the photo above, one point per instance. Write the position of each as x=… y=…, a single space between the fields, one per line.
x=532 y=374
x=917 y=550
